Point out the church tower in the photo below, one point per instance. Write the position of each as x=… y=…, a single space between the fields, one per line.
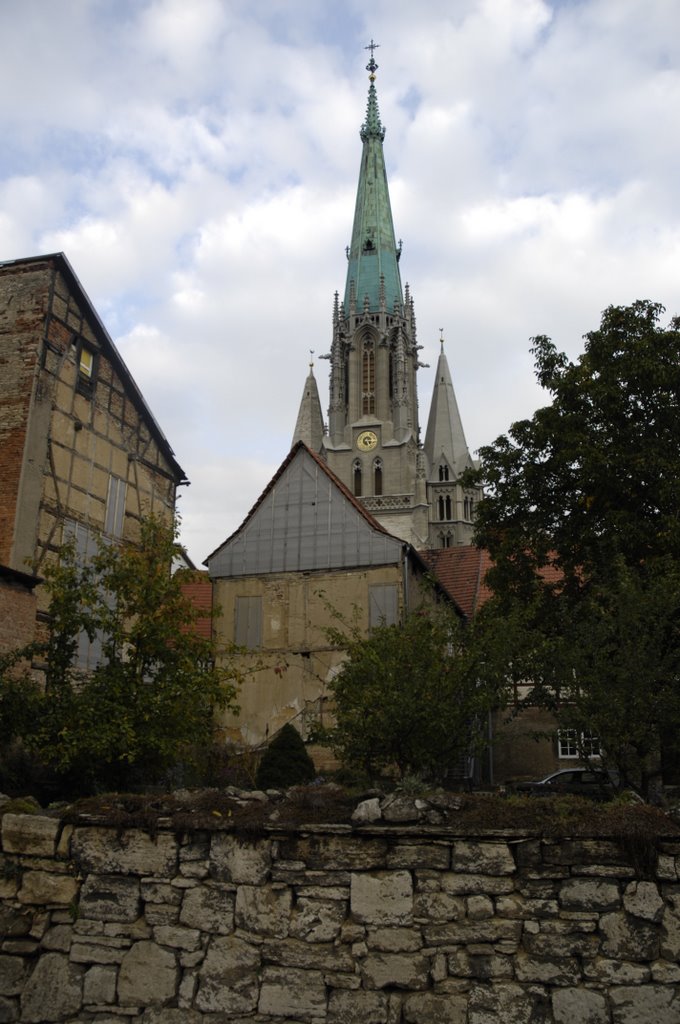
x=373 y=438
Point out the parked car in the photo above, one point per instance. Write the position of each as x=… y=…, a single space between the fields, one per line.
x=594 y=783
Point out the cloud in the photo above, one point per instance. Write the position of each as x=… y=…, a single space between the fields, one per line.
x=197 y=163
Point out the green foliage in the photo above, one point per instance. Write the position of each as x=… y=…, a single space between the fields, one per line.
x=285 y=762
x=149 y=704
x=407 y=696
x=581 y=518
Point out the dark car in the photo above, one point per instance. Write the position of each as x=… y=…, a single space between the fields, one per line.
x=589 y=782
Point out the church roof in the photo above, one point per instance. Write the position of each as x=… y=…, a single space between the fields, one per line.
x=373 y=268
x=444 y=436
x=309 y=425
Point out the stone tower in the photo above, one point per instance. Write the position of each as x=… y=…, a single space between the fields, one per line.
x=373 y=438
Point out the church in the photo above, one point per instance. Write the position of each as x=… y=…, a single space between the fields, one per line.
x=372 y=439
x=346 y=522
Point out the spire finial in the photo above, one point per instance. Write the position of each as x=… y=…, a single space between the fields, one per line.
x=441 y=337
x=311 y=359
x=372 y=67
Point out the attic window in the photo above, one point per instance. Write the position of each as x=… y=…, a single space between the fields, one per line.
x=87 y=368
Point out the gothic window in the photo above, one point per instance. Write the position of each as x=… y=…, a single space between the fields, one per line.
x=466 y=508
x=440 y=508
x=448 y=506
x=377 y=477
x=356 y=476
x=368 y=379
x=445 y=539
x=443 y=472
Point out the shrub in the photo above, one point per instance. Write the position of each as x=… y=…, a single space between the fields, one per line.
x=285 y=761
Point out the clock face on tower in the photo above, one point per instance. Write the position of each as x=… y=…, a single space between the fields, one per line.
x=367 y=440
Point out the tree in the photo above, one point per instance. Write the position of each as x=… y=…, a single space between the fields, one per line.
x=407 y=695
x=581 y=517
x=149 y=704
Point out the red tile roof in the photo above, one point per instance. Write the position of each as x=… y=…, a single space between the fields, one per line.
x=461 y=571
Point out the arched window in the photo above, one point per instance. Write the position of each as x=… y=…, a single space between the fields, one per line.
x=443 y=472
x=377 y=477
x=368 y=379
x=440 y=506
x=448 y=507
x=357 y=477
x=445 y=540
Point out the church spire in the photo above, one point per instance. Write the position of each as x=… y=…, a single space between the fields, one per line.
x=373 y=269
x=444 y=437
x=309 y=427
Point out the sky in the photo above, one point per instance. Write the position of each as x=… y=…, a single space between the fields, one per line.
x=197 y=163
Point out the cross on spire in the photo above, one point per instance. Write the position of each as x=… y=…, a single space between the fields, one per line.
x=372 y=67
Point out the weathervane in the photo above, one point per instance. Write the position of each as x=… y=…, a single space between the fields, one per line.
x=372 y=67
x=441 y=336
x=311 y=358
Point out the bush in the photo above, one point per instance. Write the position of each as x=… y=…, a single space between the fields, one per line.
x=285 y=761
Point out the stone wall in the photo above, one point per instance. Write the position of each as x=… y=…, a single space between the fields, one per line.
x=364 y=925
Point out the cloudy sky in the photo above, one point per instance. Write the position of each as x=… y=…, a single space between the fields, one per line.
x=197 y=162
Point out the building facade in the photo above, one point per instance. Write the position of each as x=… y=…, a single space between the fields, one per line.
x=372 y=440
x=307 y=557
x=81 y=455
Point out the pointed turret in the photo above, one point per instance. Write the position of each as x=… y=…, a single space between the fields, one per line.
x=444 y=437
x=373 y=255
x=309 y=427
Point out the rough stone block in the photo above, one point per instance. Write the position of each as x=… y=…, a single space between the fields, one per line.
x=227 y=979
x=308 y=956
x=234 y=860
x=188 y=939
x=642 y=899
x=424 y=855
x=615 y=972
x=357 y=1007
x=657 y=1003
x=30 y=834
x=110 y=898
x=40 y=887
x=53 y=991
x=12 y=975
x=628 y=939
x=437 y=907
x=590 y=894
x=471 y=884
x=555 y=971
x=209 y=908
x=483 y=858
x=383 y=898
x=395 y=970
x=336 y=853
x=581 y=1005
x=130 y=853
x=291 y=993
x=394 y=940
x=263 y=911
x=429 y=1008
x=99 y=985
x=317 y=920
x=148 y=975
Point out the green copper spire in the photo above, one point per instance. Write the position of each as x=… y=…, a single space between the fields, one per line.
x=373 y=256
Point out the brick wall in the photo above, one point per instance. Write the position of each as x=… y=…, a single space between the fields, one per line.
x=17 y=611
x=23 y=303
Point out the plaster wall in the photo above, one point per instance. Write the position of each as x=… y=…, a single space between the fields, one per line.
x=287 y=677
x=334 y=924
